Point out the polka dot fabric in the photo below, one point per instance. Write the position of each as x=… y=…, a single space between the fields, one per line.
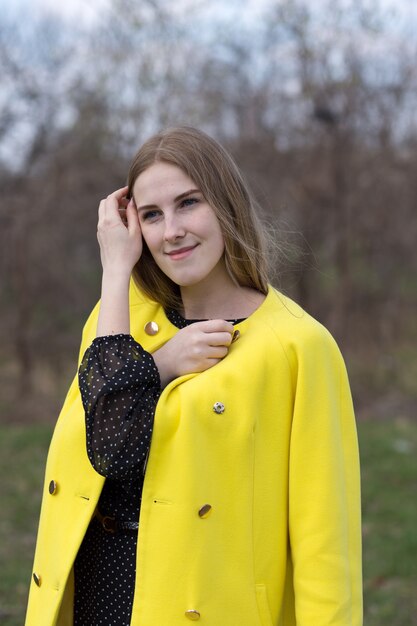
x=120 y=386
x=105 y=578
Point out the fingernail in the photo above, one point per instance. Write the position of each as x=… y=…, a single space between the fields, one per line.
x=235 y=335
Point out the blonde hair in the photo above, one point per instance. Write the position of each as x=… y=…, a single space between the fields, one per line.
x=217 y=176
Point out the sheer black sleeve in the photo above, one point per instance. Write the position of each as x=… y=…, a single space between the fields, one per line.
x=120 y=386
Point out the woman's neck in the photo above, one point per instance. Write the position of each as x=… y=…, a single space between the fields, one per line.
x=223 y=302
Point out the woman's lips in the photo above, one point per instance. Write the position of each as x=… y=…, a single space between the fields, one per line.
x=181 y=253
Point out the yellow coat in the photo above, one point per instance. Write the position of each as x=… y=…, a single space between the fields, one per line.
x=278 y=463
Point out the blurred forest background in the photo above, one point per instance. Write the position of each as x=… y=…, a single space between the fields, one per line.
x=317 y=101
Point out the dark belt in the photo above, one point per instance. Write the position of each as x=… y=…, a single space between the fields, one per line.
x=112 y=525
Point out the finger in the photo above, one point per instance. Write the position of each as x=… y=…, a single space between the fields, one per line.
x=217 y=352
x=207 y=364
x=131 y=205
x=109 y=214
x=115 y=201
x=219 y=339
x=215 y=326
x=119 y=193
x=122 y=213
x=211 y=362
x=132 y=218
x=105 y=216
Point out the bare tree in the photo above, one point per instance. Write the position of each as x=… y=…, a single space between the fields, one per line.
x=322 y=123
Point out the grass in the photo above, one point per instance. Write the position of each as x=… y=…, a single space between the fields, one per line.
x=22 y=461
x=389 y=481
x=388 y=452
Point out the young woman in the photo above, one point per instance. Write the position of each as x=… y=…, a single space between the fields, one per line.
x=205 y=463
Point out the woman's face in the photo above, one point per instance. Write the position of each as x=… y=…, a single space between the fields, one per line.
x=179 y=227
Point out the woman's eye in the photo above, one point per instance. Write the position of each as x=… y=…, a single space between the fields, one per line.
x=188 y=202
x=148 y=216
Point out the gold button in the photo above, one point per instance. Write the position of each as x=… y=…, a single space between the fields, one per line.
x=53 y=487
x=192 y=615
x=205 y=510
x=151 y=328
x=37 y=579
x=235 y=335
x=218 y=407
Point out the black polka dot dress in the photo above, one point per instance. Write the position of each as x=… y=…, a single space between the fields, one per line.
x=120 y=386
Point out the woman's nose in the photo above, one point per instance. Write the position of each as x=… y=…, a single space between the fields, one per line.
x=174 y=229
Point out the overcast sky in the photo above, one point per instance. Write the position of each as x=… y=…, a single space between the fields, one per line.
x=74 y=10
x=87 y=10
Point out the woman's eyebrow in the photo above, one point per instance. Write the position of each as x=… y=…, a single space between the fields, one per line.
x=177 y=199
x=186 y=193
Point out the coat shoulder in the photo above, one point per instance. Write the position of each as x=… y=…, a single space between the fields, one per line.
x=300 y=335
x=292 y=323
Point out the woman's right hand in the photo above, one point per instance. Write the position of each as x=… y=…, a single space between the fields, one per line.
x=119 y=233
x=194 y=348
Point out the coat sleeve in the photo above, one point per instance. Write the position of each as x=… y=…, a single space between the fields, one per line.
x=324 y=489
